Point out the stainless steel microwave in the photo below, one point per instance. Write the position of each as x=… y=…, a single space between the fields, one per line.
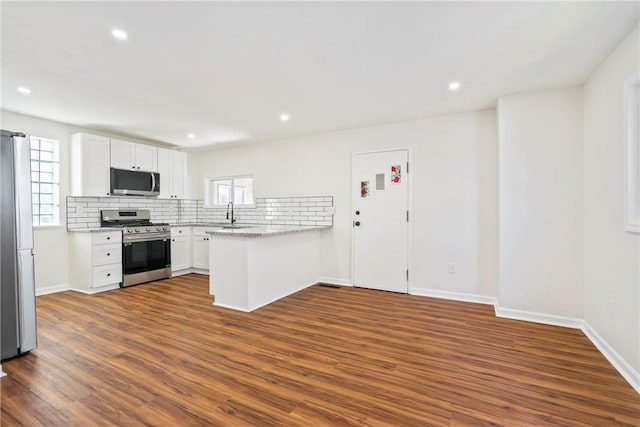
x=134 y=183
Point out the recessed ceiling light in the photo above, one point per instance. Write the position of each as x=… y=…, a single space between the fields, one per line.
x=454 y=85
x=24 y=90
x=191 y=136
x=284 y=117
x=119 y=34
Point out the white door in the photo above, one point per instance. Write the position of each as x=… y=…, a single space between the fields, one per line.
x=380 y=206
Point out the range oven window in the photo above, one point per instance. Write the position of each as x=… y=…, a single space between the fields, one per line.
x=151 y=255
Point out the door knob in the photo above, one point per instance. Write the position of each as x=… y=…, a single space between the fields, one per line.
x=357 y=212
x=357 y=223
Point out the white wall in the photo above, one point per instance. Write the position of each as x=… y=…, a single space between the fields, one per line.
x=612 y=255
x=541 y=202
x=453 y=188
x=51 y=244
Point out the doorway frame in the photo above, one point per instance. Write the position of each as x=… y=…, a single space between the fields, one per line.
x=409 y=207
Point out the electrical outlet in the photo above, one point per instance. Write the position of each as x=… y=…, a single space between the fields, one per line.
x=452 y=268
x=612 y=309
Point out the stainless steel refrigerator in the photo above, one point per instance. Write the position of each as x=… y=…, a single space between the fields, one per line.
x=17 y=288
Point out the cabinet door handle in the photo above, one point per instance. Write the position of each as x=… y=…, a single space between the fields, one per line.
x=109 y=238
x=108 y=274
x=138 y=167
x=173 y=240
x=108 y=254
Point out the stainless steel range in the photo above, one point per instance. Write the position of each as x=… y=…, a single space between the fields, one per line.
x=146 y=247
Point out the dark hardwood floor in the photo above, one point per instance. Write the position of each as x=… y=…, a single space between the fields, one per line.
x=161 y=354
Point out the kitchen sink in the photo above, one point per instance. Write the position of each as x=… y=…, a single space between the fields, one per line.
x=232 y=226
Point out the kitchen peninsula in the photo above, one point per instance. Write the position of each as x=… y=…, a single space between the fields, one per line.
x=253 y=267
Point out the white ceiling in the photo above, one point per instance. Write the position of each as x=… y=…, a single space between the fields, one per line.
x=226 y=71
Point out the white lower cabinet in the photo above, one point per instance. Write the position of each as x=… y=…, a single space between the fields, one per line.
x=200 y=252
x=96 y=260
x=189 y=250
x=180 y=250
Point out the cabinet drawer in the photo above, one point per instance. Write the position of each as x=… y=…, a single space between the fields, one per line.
x=107 y=254
x=180 y=231
x=101 y=237
x=107 y=275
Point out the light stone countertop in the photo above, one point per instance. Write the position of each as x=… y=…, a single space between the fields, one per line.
x=261 y=231
x=94 y=229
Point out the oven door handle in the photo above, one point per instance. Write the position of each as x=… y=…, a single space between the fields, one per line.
x=129 y=240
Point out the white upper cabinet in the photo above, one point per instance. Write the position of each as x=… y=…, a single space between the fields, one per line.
x=146 y=158
x=89 y=165
x=129 y=155
x=172 y=166
x=179 y=175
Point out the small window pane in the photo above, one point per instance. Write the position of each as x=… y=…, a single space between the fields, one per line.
x=46 y=146
x=224 y=190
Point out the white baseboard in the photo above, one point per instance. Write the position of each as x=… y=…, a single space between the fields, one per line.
x=622 y=366
x=180 y=272
x=456 y=296
x=530 y=316
x=334 y=281
x=231 y=307
x=52 y=289
x=93 y=291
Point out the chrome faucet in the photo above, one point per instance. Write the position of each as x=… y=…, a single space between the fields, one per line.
x=232 y=219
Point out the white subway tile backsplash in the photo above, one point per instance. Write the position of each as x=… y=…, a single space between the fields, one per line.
x=83 y=212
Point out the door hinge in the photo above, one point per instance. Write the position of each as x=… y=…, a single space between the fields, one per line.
x=407 y=274
x=407 y=216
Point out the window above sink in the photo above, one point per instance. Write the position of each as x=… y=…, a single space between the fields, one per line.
x=219 y=191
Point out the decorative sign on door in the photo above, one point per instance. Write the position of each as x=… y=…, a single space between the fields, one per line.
x=395 y=174
x=364 y=189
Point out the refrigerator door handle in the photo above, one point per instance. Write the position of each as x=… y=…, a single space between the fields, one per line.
x=26 y=301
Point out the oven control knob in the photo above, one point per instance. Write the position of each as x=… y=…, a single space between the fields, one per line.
x=148 y=229
x=137 y=230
